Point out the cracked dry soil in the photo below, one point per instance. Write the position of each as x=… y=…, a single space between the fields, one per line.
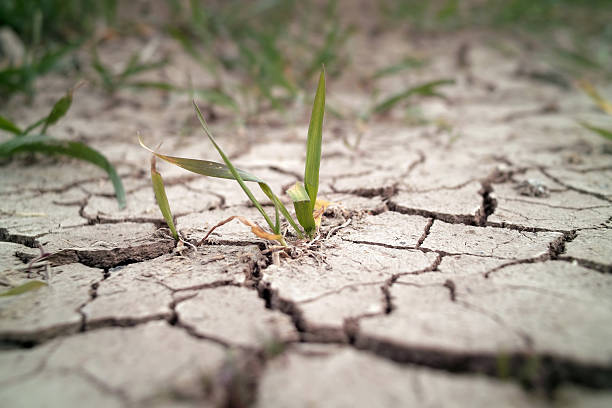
x=440 y=284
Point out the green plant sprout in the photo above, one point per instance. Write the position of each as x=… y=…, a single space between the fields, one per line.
x=24 y=140
x=162 y=198
x=304 y=196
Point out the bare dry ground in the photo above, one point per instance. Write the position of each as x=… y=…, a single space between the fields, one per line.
x=441 y=277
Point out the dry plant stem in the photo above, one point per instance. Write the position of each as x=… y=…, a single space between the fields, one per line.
x=256 y=229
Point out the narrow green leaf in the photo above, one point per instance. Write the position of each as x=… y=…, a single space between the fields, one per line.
x=135 y=67
x=162 y=198
x=26 y=287
x=102 y=70
x=59 y=109
x=278 y=204
x=9 y=126
x=605 y=133
x=426 y=89
x=599 y=100
x=47 y=145
x=33 y=126
x=203 y=167
x=405 y=64
x=232 y=169
x=216 y=96
x=211 y=95
x=301 y=203
x=313 y=144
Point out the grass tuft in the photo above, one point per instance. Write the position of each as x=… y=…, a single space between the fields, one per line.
x=306 y=205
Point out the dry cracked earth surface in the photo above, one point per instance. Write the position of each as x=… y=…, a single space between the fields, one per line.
x=467 y=266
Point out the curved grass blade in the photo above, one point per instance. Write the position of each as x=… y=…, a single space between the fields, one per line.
x=236 y=175
x=605 y=133
x=203 y=167
x=405 y=64
x=279 y=206
x=162 y=198
x=218 y=170
x=47 y=145
x=60 y=108
x=426 y=89
x=33 y=126
x=599 y=100
x=212 y=95
x=26 y=287
x=9 y=126
x=313 y=144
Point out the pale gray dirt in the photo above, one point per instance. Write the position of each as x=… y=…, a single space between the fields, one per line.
x=436 y=279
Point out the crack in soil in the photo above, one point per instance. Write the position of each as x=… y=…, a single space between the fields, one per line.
x=425 y=233
x=107 y=258
x=550 y=372
x=25 y=240
x=557 y=180
x=555 y=249
x=602 y=268
x=595 y=207
x=446 y=217
x=384 y=192
x=419 y=161
x=525 y=338
x=424 y=250
x=547 y=371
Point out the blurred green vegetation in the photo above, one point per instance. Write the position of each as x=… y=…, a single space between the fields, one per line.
x=582 y=16
x=573 y=35
x=262 y=52
x=273 y=46
x=60 y=20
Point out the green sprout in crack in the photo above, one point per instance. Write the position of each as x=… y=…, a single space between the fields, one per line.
x=304 y=195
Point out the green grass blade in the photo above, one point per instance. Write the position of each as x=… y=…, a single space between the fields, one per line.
x=601 y=102
x=162 y=198
x=313 y=144
x=301 y=204
x=278 y=204
x=203 y=167
x=605 y=133
x=47 y=145
x=232 y=169
x=9 y=126
x=405 y=64
x=33 y=126
x=26 y=287
x=60 y=108
x=426 y=89
x=214 y=96
x=105 y=74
